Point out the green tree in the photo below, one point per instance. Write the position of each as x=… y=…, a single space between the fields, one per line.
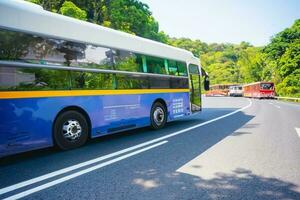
x=282 y=60
x=251 y=64
x=131 y=16
x=70 y=9
x=195 y=46
x=226 y=63
x=290 y=70
x=50 y=5
x=134 y=17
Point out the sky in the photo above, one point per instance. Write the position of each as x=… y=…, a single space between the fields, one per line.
x=226 y=21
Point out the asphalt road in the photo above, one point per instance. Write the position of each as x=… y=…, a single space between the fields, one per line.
x=235 y=149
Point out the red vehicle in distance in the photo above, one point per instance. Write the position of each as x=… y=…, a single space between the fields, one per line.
x=219 y=90
x=259 y=90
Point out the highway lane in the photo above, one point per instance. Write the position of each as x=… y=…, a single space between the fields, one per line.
x=250 y=154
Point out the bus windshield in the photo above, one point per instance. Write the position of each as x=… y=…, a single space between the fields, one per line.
x=266 y=86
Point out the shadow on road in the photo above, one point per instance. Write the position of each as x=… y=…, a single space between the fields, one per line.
x=240 y=184
x=118 y=139
x=182 y=148
x=153 y=175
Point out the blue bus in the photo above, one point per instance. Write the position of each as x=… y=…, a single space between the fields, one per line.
x=63 y=81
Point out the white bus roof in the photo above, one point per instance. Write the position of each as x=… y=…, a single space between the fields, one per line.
x=31 y=18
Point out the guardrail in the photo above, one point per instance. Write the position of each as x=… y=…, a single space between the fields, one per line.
x=289 y=98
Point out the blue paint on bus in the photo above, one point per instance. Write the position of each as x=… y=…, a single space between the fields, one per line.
x=26 y=124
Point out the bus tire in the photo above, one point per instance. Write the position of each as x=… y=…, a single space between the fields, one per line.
x=70 y=130
x=158 y=115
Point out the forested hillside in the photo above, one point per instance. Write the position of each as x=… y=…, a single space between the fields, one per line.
x=279 y=61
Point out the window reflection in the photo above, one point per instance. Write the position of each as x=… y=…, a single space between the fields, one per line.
x=182 y=70
x=127 y=61
x=18 y=79
x=28 y=48
x=132 y=82
x=266 y=86
x=156 y=65
x=159 y=83
x=33 y=79
x=173 y=68
x=90 y=81
x=42 y=50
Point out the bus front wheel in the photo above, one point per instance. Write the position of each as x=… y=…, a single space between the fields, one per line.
x=158 y=115
x=70 y=130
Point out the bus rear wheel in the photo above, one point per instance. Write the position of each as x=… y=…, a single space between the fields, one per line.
x=158 y=115
x=70 y=130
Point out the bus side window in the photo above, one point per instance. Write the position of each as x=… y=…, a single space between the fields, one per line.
x=182 y=69
x=132 y=82
x=173 y=69
x=159 y=83
x=155 y=65
x=86 y=80
x=22 y=79
x=127 y=61
x=140 y=61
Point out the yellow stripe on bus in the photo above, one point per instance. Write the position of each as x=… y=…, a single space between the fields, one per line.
x=69 y=93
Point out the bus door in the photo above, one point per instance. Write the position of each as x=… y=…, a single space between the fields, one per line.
x=195 y=88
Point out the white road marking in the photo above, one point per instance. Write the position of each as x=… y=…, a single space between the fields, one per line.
x=277 y=106
x=86 y=163
x=79 y=173
x=298 y=131
x=71 y=168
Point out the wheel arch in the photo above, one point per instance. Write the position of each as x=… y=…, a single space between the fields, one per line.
x=162 y=101
x=78 y=109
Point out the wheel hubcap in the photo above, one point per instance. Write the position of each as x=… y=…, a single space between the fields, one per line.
x=71 y=130
x=158 y=115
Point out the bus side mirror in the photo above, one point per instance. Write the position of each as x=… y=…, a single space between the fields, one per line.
x=206 y=83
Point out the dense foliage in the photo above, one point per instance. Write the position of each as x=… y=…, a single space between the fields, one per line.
x=279 y=61
x=282 y=60
x=131 y=16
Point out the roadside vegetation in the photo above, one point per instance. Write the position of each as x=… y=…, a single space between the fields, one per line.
x=279 y=61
